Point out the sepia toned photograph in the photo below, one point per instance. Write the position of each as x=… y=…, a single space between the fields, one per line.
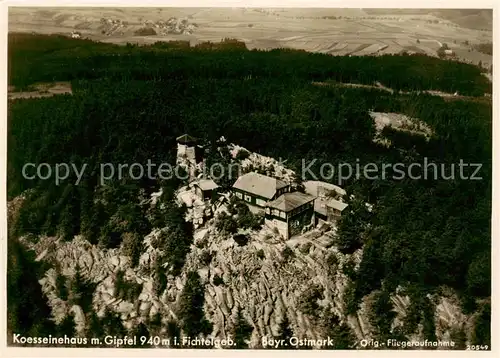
x=236 y=178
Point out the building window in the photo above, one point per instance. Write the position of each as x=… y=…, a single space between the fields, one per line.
x=260 y=202
x=248 y=198
x=239 y=195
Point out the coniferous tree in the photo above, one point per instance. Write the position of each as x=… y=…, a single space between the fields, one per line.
x=482 y=327
x=159 y=278
x=76 y=287
x=174 y=334
x=141 y=333
x=340 y=333
x=112 y=324
x=132 y=247
x=28 y=312
x=285 y=333
x=94 y=327
x=176 y=239
x=69 y=220
x=352 y=226
x=61 y=285
x=67 y=326
x=242 y=331
x=81 y=290
x=382 y=315
x=193 y=321
x=459 y=336
x=91 y=214
x=155 y=322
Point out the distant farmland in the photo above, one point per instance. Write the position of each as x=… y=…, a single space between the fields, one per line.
x=332 y=31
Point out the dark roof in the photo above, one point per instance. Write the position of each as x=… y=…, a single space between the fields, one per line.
x=186 y=139
x=289 y=201
x=258 y=184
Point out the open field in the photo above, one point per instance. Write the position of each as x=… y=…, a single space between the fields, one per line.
x=41 y=90
x=332 y=31
x=446 y=96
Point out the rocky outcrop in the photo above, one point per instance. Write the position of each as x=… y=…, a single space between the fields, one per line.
x=258 y=279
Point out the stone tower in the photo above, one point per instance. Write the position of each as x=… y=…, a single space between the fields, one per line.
x=189 y=153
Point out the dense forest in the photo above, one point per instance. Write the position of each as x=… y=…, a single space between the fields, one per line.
x=41 y=58
x=129 y=103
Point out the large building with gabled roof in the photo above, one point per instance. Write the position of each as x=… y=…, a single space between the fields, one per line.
x=290 y=212
x=287 y=210
x=257 y=189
